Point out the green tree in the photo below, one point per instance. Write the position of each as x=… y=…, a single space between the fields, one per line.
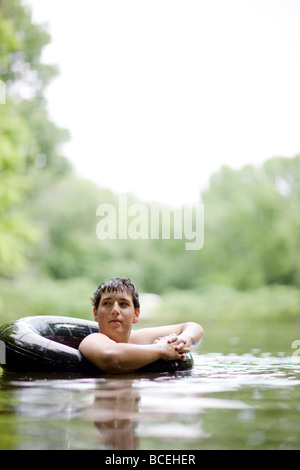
x=28 y=138
x=252 y=225
x=22 y=43
x=15 y=231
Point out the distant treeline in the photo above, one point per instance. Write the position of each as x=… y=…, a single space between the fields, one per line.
x=251 y=234
x=48 y=215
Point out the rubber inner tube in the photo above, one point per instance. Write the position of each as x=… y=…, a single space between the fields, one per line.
x=50 y=344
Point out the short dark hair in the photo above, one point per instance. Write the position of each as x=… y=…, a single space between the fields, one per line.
x=116 y=284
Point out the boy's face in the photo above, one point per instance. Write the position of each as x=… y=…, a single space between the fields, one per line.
x=116 y=314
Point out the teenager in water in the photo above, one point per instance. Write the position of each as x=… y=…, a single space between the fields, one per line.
x=117 y=348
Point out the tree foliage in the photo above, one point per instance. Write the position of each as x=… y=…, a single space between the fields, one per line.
x=251 y=234
x=252 y=225
x=27 y=136
x=48 y=215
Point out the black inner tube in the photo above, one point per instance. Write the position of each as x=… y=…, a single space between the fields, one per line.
x=50 y=344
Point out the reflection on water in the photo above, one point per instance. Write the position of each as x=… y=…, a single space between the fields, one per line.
x=114 y=412
x=226 y=402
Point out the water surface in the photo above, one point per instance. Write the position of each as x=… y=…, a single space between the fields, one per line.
x=227 y=401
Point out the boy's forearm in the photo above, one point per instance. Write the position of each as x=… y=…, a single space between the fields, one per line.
x=129 y=357
x=192 y=331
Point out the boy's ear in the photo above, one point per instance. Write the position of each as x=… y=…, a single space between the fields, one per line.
x=136 y=315
x=95 y=314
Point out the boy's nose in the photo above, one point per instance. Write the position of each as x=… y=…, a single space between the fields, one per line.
x=115 y=308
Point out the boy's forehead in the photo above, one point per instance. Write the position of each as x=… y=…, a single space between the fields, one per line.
x=120 y=293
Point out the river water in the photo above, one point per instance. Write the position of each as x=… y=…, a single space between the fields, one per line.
x=234 y=399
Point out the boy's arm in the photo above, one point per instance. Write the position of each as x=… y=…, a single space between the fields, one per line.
x=114 y=357
x=184 y=333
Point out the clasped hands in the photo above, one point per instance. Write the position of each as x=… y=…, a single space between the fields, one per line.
x=180 y=343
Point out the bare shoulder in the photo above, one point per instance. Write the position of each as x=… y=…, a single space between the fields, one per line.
x=93 y=340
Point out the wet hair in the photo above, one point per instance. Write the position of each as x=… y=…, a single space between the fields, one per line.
x=116 y=284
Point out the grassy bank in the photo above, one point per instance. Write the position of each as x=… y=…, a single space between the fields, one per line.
x=265 y=320
x=213 y=305
x=223 y=305
x=20 y=298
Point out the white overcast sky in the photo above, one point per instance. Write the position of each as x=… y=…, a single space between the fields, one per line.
x=158 y=94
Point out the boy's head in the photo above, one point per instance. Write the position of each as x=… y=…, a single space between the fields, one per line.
x=116 y=284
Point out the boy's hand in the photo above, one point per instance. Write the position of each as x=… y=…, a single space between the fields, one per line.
x=180 y=343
